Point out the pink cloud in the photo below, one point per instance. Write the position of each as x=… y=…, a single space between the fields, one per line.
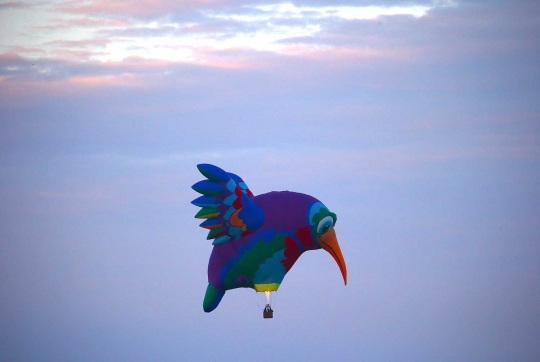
x=70 y=87
x=138 y=8
x=46 y=77
x=59 y=23
x=338 y=53
x=14 y=4
x=27 y=51
x=9 y=58
x=83 y=43
x=238 y=58
x=78 y=50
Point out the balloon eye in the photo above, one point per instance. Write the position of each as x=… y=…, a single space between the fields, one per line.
x=325 y=224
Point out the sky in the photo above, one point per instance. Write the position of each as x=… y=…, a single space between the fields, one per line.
x=416 y=122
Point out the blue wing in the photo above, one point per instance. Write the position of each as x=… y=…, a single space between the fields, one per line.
x=226 y=205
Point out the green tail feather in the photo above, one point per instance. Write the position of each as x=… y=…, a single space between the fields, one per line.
x=212 y=298
x=207 y=213
x=214 y=232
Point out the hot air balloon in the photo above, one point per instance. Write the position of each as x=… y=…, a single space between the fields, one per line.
x=257 y=239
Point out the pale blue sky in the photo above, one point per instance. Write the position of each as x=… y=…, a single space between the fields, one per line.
x=418 y=126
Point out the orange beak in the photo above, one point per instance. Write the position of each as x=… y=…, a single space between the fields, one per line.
x=328 y=242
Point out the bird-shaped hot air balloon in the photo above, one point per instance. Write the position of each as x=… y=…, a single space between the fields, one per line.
x=257 y=239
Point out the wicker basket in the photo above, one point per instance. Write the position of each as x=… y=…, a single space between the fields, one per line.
x=268 y=312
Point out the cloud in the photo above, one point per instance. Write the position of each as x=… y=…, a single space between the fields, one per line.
x=159 y=8
x=13 y=4
x=144 y=9
x=381 y=76
x=83 y=43
x=182 y=29
x=82 y=22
